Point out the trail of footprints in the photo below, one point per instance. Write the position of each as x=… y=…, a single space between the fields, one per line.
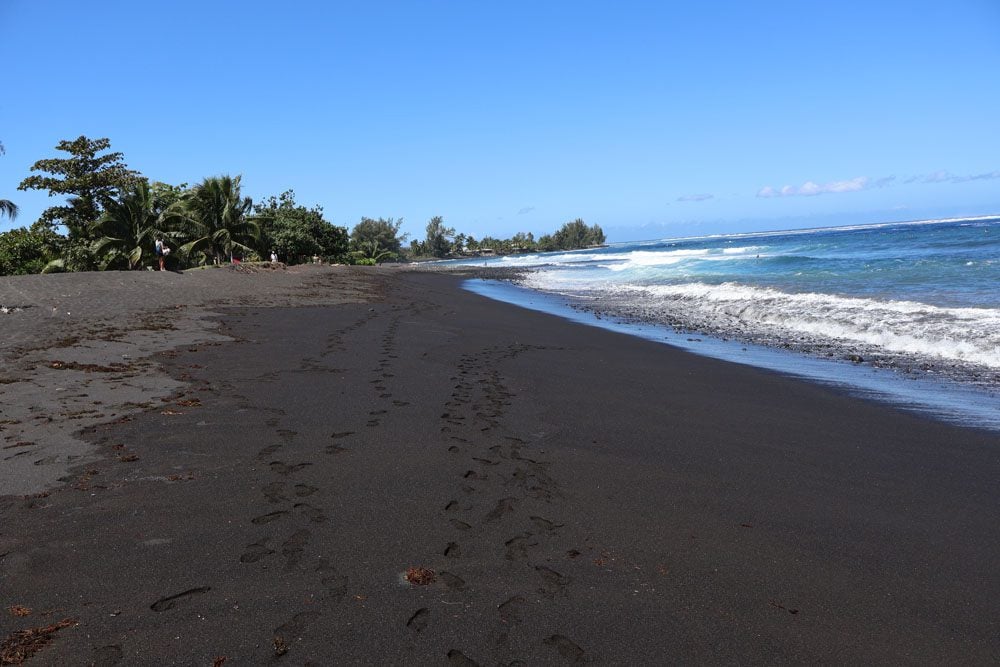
x=498 y=492
x=289 y=516
x=290 y=535
x=501 y=485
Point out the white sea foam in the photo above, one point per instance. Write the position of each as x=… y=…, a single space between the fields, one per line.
x=549 y=258
x=647 y=258
x=968 y=335
x=621 y=261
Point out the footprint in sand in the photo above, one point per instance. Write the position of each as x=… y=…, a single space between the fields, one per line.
x=459 y=659
x=293 y=547
x=274 y=492
x=266 y=453
x=312 y=513
x=303 y=490
x=283 y=468
x=486 y=462
x=334 y=582
x=269 y=517
x=566 y=647
x=510 y=610
x=286 y=633
x=254 y=552
x=163 y=604
x=419 y=620
x=452 y=581
x=545 y=524
x=504 y=506
x=517 y=546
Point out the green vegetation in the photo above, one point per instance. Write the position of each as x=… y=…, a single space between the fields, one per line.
x=292 y=231
x=128 y=227
x=112 y=216
x=216 y=217
x=573 y=235
x=439 y=238
x=24 y=251
x=442 y=241
x=90 y=180
x=376 y=241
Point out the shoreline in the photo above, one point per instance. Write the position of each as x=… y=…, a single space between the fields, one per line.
x=579 y=494
x=841 y=296
x=906 y=383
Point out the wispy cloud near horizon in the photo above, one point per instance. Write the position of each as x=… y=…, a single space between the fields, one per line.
x=526 y=210
x=943 y=176
x=698 y=197
x=812 y=189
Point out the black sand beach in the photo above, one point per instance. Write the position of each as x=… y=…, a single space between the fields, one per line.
x=274 y=454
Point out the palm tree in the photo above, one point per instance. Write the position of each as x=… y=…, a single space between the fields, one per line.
x=219 y=219
x=371 y=250
x=129 y=227
x=7 y=207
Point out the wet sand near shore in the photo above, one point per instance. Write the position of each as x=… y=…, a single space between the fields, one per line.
x=575 y=495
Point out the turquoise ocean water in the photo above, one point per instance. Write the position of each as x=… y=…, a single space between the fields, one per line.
x=916 y=301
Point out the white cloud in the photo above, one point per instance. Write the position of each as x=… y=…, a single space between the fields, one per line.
x=811 y=188
x=698 y=197
x=526 y=210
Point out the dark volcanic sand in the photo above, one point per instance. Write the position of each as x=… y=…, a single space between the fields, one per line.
x=582 y=496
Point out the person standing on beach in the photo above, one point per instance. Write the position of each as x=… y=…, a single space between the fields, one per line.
x=160 y=251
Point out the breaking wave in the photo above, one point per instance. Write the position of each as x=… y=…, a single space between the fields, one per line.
x=966 y=335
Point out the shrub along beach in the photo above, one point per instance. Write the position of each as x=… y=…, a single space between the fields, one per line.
x=113 y=217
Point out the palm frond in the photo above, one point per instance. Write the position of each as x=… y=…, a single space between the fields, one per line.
x=135 y=257
x=8 y=208
x=55 y=266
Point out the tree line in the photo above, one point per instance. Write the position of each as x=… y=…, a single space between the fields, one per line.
x=442 y=241
x=112 y=217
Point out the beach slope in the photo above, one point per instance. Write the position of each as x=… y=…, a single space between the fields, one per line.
x=557 y=493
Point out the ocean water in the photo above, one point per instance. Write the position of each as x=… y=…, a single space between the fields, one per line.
x=919 y=301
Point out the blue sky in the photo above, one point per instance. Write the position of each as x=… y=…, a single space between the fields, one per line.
x=652 y=119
